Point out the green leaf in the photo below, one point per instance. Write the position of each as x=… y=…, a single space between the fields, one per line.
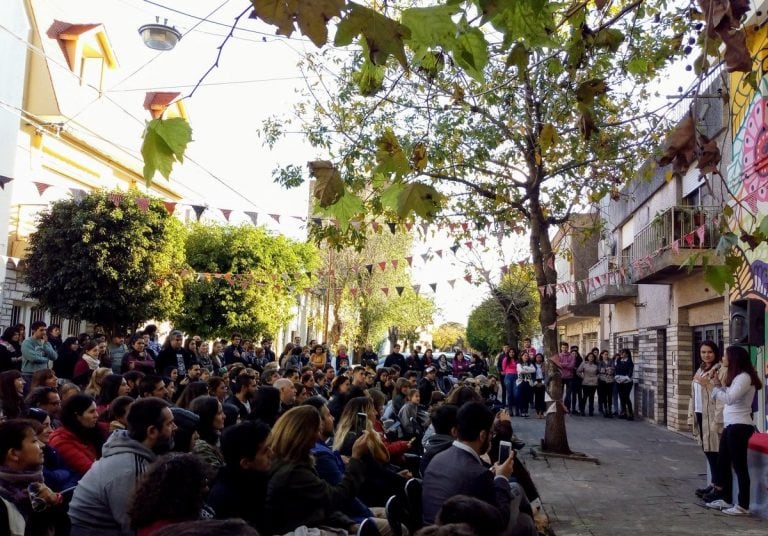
x=548 y=137
x=370 y=78
x=311 y=16
x=637 y=66
x=763 y=227
x=518 y=57
x=390 y=195
x=609 y=38
x=345 y=209
x=383 y=35
x=471 y=52
x=328 y=184
x=431 y=26
x=156 y=154
x=175 y=132
x=390 y=155
x=719 y=277
x=419 y=198
x=726 y=243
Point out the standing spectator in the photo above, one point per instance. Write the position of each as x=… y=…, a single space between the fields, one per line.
x=10 y=352
x=138 y=358
x=69 y=354
x=36 y=351
x=234 y=352
x=500 y=369
x=576 y=381
x=21 y=461
x=318 y=358
x=210 y=426
x=737 y=393
x=117 y=349
x=588 y=372
x=509 y=370
x=605 y=373
x=539 y=386
x=153 y=343
x=171 y=491
x=78 y=439
x=11 y=394
x=567 y=369
x=624 y=371
x=293 y=480
x=413 y=363
x=99 y=506
x=395 y=358
x=529 y=349
x=191 y=346
x=240 y=488
x=174 y=355
x=266 y=345
x=525 y=372
x=369 y=357
x=705 y=414
x=54 y=336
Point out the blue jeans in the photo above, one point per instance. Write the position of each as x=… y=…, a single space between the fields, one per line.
x=509 y=381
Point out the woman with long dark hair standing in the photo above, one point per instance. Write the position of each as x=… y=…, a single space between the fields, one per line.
x=10 y=351
x=78 y=439
x=69 y=354
x=509 y=369
x=705 y=414
x=624 y=370
x=736 y=392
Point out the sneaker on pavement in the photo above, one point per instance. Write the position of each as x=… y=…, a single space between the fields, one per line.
x=719 y=504
x=736 y=510
x=704 y=491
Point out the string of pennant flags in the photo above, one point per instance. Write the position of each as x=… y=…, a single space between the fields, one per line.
x=626 y=274
x=424 y=229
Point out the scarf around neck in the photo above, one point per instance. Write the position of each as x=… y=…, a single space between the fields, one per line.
x=13 y=486
x=93 y=363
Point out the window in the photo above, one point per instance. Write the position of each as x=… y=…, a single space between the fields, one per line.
x=711 y=332
x=74 y=328
x=55 y=319
x=87 y=49
x=37 y=313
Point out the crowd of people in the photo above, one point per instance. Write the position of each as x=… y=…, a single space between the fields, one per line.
x=111 y=436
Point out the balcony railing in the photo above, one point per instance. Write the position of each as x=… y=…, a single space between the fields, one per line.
x=615 y=288
x=674 y=225
x=608 y=264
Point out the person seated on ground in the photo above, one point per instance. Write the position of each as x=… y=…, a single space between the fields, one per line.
x=339 y=391
x=153 y=386
x=296 y=495
x=444 y=424
x=193 y=375
x=192 y=391
x=211 y=414
x=186 y=433
x=459 y=469
x=329 y=464
x=400 y=396
x=112 y=386
x=208 y=527
x=383 y=478
x=240 y=488
x=287 y=394
x=243 y=393
x=133 y=379
x=413 y=421
x=21 y=461
x=56 y=474
x=266 y=405
x=428 y=384
x=78 y=440
x=396 y=447
x=99 y=506
x=11 y=394
x=484 y=519
x=171 y=491
x=457 y=397
x=451 y=529
x=117 y=414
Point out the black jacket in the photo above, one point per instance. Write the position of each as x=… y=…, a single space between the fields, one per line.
x=232 y=399
x=170 y=358
x=240 y=493
x=395 y=359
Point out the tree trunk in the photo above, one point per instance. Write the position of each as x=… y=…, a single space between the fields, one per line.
x=393 y=335
x=555 y=435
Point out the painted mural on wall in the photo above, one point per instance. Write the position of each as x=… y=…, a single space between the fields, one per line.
x=747 y=176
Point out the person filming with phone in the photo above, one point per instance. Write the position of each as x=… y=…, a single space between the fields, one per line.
x=459 y=470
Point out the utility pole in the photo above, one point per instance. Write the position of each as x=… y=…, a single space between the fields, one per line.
x=327 y=306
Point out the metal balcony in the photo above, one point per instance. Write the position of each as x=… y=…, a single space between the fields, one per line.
x=613 y=290
x=661 y=247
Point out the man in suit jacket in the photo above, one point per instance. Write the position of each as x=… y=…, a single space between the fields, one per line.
x=458 y=470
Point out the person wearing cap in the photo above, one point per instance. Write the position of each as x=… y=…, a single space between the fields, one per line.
x=428 y=385
x=186 y=433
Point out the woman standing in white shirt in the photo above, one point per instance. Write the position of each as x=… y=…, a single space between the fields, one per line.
x=741 y=382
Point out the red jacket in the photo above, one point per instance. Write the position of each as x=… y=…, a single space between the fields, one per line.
x=76 y=454
x=396 y=448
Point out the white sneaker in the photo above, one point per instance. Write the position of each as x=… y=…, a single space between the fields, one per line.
x=736 y=510
x=719 y=504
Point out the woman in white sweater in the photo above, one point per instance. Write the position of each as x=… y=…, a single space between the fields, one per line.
x=737 y=393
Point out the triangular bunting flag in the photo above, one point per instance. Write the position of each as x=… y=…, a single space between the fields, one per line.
x=425 y=229
x=78 y=194
x=452 y=226
x=353 y=291
x=394 y=263
x=689 y=239
x=399 y=290
x=482 y=241
x=408 y=227
x=416 y=288
x=425 y=257
x=541 y=290
x=15 y=260
x=409 y=260
x=676 y=246
x=505 y=270
x=3 y=181
x=170 y=206
x=199 y=209
x=433 y=286
x=383 y=265
x=451 y=282
x=376 y=226
x=317 y=221
x=392 y=227
x=369 y=267
x=356 y=225
x=385 y=290
x=116 y=198
x=41 y=187
x=229 y=278
x=468 y=278
x=226 y=212
x=439 y=253
x=700 y=234
x=300 y=218
x=275 y=217
x=254 y=217
x=469 y=245
x=454 y=249
x=465 y=226
x=142 y=203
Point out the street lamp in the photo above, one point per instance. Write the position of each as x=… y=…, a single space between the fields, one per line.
x=159 y=36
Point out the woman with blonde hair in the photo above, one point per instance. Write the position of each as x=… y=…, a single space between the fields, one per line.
x=93 y=389
x=345 y=430
x=293 y=479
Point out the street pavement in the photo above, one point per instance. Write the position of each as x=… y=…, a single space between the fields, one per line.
x=643 y=484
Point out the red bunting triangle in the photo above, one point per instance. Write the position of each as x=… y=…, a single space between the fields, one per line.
x=376 y=226
x=439 y=253
x=41 y=187
x=689 y=239
x=409 y=226
x=482 y=241
x=394 y=263
x=385 y=290
x=226 y=212
x=353 y=291
x=409 y=260
x=142 y=203
x=465 y=226
x=468 y=278
x=170 y=206
x=469 y=245
x=383 y=265
x=116 y=198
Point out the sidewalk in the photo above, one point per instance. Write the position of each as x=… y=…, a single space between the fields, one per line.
x=643 y=485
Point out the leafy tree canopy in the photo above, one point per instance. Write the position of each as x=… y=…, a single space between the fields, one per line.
x=267 y=274
x=114 y=265
x=448 y=335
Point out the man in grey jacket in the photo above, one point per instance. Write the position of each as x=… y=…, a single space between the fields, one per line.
x=100 y=503
x=36 y=351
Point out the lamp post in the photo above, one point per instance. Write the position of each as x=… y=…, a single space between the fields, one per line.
x=159 y=36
